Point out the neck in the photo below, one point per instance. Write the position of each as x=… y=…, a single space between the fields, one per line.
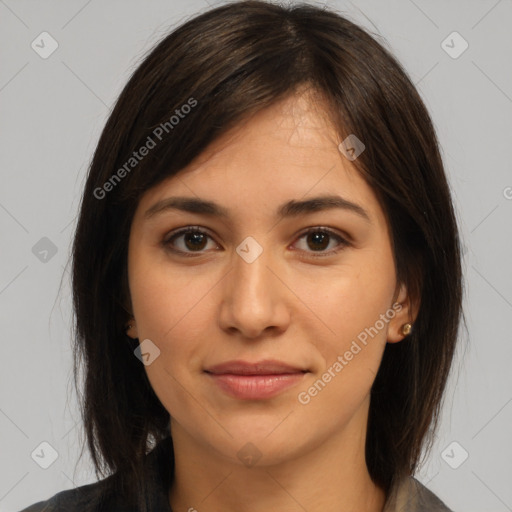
x=332 y=477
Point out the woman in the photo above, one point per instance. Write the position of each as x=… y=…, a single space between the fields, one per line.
x=266 y=275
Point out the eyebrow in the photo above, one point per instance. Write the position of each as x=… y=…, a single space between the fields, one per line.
x=289 y=209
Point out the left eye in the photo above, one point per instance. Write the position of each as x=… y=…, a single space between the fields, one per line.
x=194 y=240
x=318 y=239
x=191 y=238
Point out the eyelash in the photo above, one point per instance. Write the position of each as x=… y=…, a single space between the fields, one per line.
x=196 y=229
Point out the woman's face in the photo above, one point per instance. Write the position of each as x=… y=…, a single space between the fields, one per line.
x=266 y=326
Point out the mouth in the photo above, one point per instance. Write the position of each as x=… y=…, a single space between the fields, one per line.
x=255 y=381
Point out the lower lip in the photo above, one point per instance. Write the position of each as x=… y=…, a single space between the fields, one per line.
x=256 y=387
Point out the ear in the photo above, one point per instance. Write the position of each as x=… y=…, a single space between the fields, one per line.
x=131 y=329
x=125 y=302
x=406 y=310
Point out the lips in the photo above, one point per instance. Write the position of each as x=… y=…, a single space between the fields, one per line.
x=267 y=367
x=255 y=381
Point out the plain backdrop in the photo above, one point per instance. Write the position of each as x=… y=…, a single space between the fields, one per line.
x=51 y=113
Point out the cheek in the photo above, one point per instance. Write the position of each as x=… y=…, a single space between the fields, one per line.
x=351 y=348
x=349 y=303
x=161 y=295
x=172 y=310
x=354 y=297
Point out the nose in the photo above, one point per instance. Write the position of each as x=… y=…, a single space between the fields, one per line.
x=254 y=298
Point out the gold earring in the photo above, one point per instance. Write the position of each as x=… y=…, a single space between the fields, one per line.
x=406 y=329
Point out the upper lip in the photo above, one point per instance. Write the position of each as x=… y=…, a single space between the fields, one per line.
x=266 y=367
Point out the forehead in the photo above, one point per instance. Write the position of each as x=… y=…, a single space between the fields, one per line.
x=296 y=126
x=284 y=152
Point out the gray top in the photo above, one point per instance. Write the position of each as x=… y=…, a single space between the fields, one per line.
x=412 y=496
x=409 y=496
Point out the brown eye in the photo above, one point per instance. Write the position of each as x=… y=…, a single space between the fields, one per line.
x=194 y=241
x=188 y=240
x=317 y=240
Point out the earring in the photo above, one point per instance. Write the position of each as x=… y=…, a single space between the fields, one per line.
x=406 y=329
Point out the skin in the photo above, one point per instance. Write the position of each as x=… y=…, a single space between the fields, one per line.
x=287 y=305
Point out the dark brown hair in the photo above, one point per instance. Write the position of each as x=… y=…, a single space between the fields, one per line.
x=229 y=63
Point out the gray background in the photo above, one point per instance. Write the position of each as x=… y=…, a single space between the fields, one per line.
x=52 y=112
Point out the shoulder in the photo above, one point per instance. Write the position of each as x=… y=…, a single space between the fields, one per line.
x=86 y=498
x=111 y=494
x=413 y=496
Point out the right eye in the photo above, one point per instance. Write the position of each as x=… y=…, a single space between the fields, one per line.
x=187 y=241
